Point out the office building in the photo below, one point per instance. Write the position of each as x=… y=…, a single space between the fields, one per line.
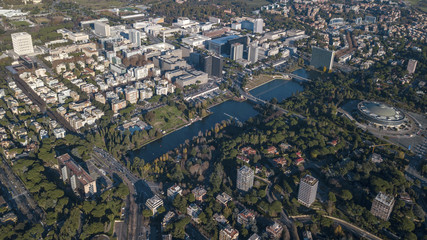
x=236 y=51
x=222 y=46
x=322 y=58
x=255 y=25
x=22 y=43
x=154 y=203
x=191 y=78
x=307 y=190
x=253 y=53
x=196 y=40
x=412 y=65
x=206 y=64
x=81 y=182
x=258 y=25
x=382 y=206
x=245 y=178
x=102 y=29
x=228 y=233
x=135 y=37
x=217 y=65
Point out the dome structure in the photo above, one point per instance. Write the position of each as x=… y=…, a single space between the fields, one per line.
x=380 y=113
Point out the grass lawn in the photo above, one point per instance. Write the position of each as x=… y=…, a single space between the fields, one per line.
x=257 y=3
x=20 y=23
x=260 y=79
x=100 y=4
x=421 y=4
x=168 y=117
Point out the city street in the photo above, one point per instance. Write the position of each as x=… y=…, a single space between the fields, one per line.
x=19 y=198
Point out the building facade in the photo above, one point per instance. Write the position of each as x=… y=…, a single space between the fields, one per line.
x=22 y=43
x=307 y=190
x=245 y=178
x=382 y=206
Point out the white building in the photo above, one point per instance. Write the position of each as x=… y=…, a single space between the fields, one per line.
x=102 y=29
x=59 y=132
x=307 y=190
x=245 y=178
x=196 y=40
x=154 y=203
x=22 y=43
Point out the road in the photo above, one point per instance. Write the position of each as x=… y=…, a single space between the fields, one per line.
x=350 y=227
x=139 y=189
x=19 y=198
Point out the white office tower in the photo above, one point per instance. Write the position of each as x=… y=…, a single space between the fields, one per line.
x=22 y=43
x=253 y=53
x=135 y=37
x=102 y=29
x=307 y=190
x=236 y=51
x=245 y=178
x=258 y=25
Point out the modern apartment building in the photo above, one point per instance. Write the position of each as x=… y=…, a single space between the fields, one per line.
x=382 y=206
x=245 y=178
x=307 y=190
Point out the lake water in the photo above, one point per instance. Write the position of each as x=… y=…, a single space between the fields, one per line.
x=280 y=89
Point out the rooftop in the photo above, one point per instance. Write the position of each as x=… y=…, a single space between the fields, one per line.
x=385 y=199
x=309 y=179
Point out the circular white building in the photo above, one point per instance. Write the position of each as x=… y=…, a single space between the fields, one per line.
x=380 y=113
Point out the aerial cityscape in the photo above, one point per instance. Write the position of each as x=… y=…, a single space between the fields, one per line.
x=213 y=119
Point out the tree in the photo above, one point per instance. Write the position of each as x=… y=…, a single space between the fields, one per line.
x=332 y=197
x=161 y=209
x=147 y=213
x=346 y=195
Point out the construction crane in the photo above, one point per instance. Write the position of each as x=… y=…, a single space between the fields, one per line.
x=379 y=145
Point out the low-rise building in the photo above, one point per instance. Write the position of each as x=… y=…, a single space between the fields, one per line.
x=275 y=230
x=199 y=193
x=173 y=191
x=228 y=233
x=154 y=203
x=223 y=198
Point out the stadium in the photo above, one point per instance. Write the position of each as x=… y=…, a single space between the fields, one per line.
x=381 y=113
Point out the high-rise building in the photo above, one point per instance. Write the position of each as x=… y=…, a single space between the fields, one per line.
x=245 y=178
x=135 y=37
x=22 y=43
x=307 y=190
x=206 y=64
x=102 y=29
x=236 y=51
x=382 y=206
x=217 y=65
x=412 y=65
x=322 y=58
x=253 y=53
x=258 y=25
